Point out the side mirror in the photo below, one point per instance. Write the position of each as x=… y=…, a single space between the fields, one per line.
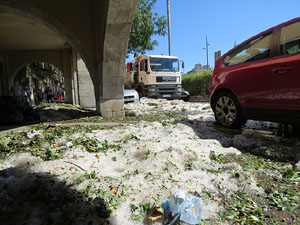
x=129 y=67
x=182 y=65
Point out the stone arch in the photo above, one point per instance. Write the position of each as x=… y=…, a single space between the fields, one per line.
x=96 y=30
x=22 y=58
x=17 y=69
x=28 y=10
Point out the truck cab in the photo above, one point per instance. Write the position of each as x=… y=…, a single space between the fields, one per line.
x=156 y=76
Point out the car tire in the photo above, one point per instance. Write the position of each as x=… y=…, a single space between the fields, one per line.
x=186 y=99
x=227 y=110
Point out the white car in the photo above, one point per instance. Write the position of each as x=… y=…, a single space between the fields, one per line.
x=131 y=96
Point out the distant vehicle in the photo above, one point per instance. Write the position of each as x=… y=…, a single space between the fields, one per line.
x=185 y=95
x=259 y=79
x=155 y=76
x=130 y=95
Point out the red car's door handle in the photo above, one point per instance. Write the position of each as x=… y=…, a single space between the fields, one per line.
x=283 y=69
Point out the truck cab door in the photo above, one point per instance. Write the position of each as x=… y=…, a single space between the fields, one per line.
x=142 y=71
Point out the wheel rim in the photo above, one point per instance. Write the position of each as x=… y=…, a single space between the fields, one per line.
x=226 y=111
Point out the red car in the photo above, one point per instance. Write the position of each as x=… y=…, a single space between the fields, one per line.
x=259 y=79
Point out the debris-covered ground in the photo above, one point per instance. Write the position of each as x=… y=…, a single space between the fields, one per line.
x=98 y=171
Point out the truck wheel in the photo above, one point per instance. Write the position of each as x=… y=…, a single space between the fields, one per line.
x=227 y=110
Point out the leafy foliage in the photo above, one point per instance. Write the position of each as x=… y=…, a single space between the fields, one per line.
x=278 y=205
x=93 y=145
x=113 y=196
x=145 y=24
x=4 y=143
x=197 y=83
x=78 y=178
x=41 y=141
x=139 y=212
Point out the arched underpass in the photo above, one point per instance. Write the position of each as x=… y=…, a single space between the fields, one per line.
x=86 y=39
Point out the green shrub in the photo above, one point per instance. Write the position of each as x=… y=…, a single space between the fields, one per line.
x=197 y=83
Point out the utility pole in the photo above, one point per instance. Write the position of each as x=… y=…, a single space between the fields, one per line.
x=169 y=27
x=207 y=44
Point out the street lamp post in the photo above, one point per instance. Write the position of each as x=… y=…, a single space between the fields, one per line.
x=207 y=44
x=169 y=27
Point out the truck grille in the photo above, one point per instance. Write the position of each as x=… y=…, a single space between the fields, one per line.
x=167 y=90
x=166 y=79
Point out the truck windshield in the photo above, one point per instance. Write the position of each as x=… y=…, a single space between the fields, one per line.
x=164 y=64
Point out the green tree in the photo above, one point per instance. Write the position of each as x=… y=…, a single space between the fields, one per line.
x=146 y=23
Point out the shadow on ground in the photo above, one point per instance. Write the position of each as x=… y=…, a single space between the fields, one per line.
x=39 y=198
x=50 y=115
x=258 y=138
x=51 y=112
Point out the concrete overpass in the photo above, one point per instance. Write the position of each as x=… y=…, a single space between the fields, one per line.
x=86 y=39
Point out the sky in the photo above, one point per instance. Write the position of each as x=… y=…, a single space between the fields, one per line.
x=224 y=22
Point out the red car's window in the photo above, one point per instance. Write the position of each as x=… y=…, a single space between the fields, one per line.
x=256 y=49
x=290 y=39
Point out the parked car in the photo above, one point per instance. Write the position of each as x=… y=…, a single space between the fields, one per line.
x=185 y=95
x=259 y=79
x=130 y=95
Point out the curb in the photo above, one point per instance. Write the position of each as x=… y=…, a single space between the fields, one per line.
x=28 y=127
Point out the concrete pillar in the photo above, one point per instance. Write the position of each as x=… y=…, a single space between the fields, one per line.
x=67 y=72
x=75 y=78
x=86 y=86
x=1 y=80
x=1 y=76
x=4 y=77
x=2 y=86
x=110 y=92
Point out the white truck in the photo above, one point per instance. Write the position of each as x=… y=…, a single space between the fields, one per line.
x=155 y=76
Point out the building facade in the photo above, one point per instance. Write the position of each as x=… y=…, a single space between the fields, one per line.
x=198 y=68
